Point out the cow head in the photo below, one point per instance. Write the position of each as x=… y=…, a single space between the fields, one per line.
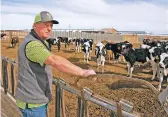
x=155 y=53
x=144 y=46
x=125 y=47
x=164 y=63
x=164 y=60
x=100 y=51
x=108 y=46
x=146 y=41
x=52 y=41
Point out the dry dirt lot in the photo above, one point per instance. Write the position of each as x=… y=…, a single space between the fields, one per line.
x=144 y=100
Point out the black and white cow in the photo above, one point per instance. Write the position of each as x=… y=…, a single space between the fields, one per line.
x=78 y=44
x=70 y=42
x=54 y=41
x=91 y=43
x=135 y=55
x=91 y=47
x=14 y=41
x=100 y=53
x=116 y=48
x=162 y=69
x=155 y=53
x=64 y=40
x=59 y=44
x=86 y=50
x=142 y=55
x=3 y=35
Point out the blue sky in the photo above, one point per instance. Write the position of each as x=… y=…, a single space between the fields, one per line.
x=128 y=15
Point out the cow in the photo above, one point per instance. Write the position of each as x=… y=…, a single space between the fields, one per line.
x=51 y=41
x=54 y=41
x=64 y=40
x=91 y=47
x=14 y=41
x=78 y=45
x=100 y=53
x=86 y=50
x=162 y=69
x=116 y=48
x=3 y=35
x=155 y=53
x=109 y=51
x=147 y=41
x=135 y=55
x=69 y=42
x=142 y=55
x=59 y=44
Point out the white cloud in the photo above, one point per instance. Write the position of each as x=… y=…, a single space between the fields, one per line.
x=16 y=21
x=92 y=14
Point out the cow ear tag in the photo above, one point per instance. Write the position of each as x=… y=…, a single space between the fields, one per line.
x=157 y=57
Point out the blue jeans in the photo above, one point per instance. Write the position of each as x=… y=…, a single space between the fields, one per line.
x=35 y=112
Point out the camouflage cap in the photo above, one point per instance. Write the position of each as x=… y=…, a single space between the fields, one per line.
x=44 y=16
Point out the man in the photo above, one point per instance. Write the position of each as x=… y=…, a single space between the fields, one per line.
x=34 y=70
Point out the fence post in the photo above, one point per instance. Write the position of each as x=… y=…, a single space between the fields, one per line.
x=5 y=75
x=2 y=70
x=62 y=103
x=80 y=108
x=58 y=98
x=112 y=114
x=12 y=77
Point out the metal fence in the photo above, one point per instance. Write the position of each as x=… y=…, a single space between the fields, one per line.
x=99 y=36
x=56 y=33
x=95 y=36
x=9 y=80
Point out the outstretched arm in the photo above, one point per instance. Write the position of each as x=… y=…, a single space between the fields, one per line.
x=63 y=65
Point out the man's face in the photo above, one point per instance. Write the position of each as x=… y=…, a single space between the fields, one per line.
x=43 y=29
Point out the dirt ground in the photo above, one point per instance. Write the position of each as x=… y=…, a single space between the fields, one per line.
x=144 y=100
x=8 y=107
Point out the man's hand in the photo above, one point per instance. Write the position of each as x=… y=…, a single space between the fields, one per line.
x=87 y=73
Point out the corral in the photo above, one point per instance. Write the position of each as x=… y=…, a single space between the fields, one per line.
x=144 y=100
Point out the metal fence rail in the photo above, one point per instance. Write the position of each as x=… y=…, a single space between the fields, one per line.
x=84 y=95
x=79 y=34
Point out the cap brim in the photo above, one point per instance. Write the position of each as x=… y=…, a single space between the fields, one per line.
x=55 y=22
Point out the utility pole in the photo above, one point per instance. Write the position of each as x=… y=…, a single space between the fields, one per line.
x=69 y=29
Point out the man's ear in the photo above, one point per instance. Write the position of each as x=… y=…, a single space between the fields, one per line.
x=34 y=26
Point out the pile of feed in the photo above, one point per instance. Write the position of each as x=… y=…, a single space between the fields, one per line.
x=144 y=99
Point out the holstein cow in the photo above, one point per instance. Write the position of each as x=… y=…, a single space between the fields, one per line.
x=59 y=44
x=69 y=43
x=3 y=36
x=163 y=65
x=160 y=68
x=142 y=55
x=156 y=49
x=132 y=55
x=54 y=41
x=91 y=47
x=116 y=48
x=78 y=45
x=155 y=53
x=86 y=50
x=100 y=53
x=14 y=41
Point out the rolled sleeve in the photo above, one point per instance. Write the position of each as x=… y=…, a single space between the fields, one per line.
x=37 y=52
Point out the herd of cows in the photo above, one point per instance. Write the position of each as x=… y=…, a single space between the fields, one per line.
x=154 y=52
